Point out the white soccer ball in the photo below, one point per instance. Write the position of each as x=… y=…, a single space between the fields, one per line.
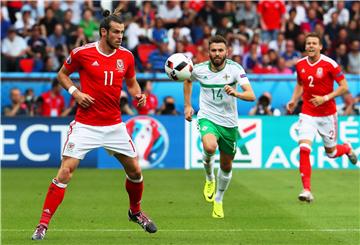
x=178 y=67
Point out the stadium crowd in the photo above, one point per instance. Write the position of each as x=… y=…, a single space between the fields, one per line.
x=265 y=37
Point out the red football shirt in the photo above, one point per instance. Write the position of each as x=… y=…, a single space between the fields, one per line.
x=150 y=106
x=52 y=106
x=101 y=77
x=318 y=79
x=271 y=12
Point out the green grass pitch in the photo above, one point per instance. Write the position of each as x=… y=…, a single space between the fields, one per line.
x=261 y=208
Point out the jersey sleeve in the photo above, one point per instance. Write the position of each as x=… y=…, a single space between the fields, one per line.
x=72 y=62
x=130 y=72
x=240 y=76
x=337 y=73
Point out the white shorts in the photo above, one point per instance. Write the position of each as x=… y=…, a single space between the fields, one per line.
x=83 y=138
x=309 y=126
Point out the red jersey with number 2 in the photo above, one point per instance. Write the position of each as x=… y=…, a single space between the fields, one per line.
x=101 y=77
x=318 y=79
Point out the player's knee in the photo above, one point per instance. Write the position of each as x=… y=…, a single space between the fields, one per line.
x=135 y=174
x=331 y=154
x=210 y=148
x=64 y=175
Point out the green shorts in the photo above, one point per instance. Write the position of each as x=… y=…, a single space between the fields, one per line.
x=226 y=137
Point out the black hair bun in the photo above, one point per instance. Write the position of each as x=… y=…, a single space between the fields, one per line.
x=106 y=13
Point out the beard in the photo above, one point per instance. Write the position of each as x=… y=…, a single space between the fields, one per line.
x=217 y=61
x=112 y=46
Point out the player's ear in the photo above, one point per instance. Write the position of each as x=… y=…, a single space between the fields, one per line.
x=103 y=32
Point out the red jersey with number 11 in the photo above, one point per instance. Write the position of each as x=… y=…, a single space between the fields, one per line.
x=101 y=77
x=318 y=79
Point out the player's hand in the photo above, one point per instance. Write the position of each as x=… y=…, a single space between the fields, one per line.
x=141 y=98
x=317 y=100
x=290 y=106
x=230 y=90
x=84 y=100
x=188 y=111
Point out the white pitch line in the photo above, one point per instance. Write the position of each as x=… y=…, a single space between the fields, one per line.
x=191 y=230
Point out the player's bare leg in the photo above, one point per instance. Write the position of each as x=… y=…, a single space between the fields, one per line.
x=305 y=170
x=209 y=144
x=55 y=195
x=135 y=186
x=223 y=181
x=344 y=149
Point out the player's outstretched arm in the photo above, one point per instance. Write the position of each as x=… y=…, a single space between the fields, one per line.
x=135 y=91
x=84 y=100
x=290 y=106
x=188 y=110
x=247 y=93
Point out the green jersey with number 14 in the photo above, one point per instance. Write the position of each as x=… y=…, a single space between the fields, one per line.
x=215 y=104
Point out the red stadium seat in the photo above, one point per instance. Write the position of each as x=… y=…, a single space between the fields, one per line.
x=26 y=65
x=144 y=50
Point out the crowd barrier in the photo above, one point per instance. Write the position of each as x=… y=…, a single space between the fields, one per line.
x=171 y=142
x=280 y=86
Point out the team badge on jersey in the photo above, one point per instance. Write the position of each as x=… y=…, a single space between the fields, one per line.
x=120 y=65
x=302 y=70
x=319 y=72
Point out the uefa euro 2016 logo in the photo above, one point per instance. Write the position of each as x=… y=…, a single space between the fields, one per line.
x=151 y=140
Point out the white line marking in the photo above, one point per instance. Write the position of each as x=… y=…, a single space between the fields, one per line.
x=191 y=230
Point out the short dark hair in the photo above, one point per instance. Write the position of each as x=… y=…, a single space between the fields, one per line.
x=217 y=39
x=313 y=34
x=105 y=23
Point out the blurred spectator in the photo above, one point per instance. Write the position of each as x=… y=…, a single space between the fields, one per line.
x=36 y=9
x=147 y=14
x=188 y=14
x=89 y=25
x=177 y=34
x=13 y=7
x=197 y=33
x=51 y=103
x=247 y=13
x=37 y=44
x=80 y=39
x=341 y=57
x=290 y=55
x=168 y=107
x=226 y=9
x=49 y=65
x=278 y=44
x=58 y=12
x=5 y=25
x=57 y=38
x=263 y=106
x=354 y=30
x=208 y=13
x=224 y=27
x=281 y=67
x=344 y=14
x=291 y=28
x=158 y=57
x=151 y=100
x=135 y=33
x=332 y=28
x=354 y=58
x=69 y=28
x=300 y=11
x=124 y=104
x=170 y=13
x=75 y=6
x=355 y=11
x=159 y=32
x=48 y=22
x=252 y=57
x=25 y=23
x=13 y=48
x=202 y=53
x=30 y=101
x=349 y=105
x=311 y=21
x=272 y=14
x=17 y=106
x=265 y=66
x=342 y=38
x=180 y=48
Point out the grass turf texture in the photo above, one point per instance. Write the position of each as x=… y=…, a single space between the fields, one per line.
x=261 y=207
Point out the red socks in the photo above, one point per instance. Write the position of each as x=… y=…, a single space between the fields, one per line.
x=53 y=199
x=340 y=150
x=305 y=166
x=135 y=190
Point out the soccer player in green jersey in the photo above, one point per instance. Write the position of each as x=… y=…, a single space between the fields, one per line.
x=218 y=115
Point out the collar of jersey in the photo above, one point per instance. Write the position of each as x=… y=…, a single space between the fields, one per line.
x=98 y=49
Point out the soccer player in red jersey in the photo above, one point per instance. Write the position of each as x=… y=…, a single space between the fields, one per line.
x=102 y=67
x=315 y=83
